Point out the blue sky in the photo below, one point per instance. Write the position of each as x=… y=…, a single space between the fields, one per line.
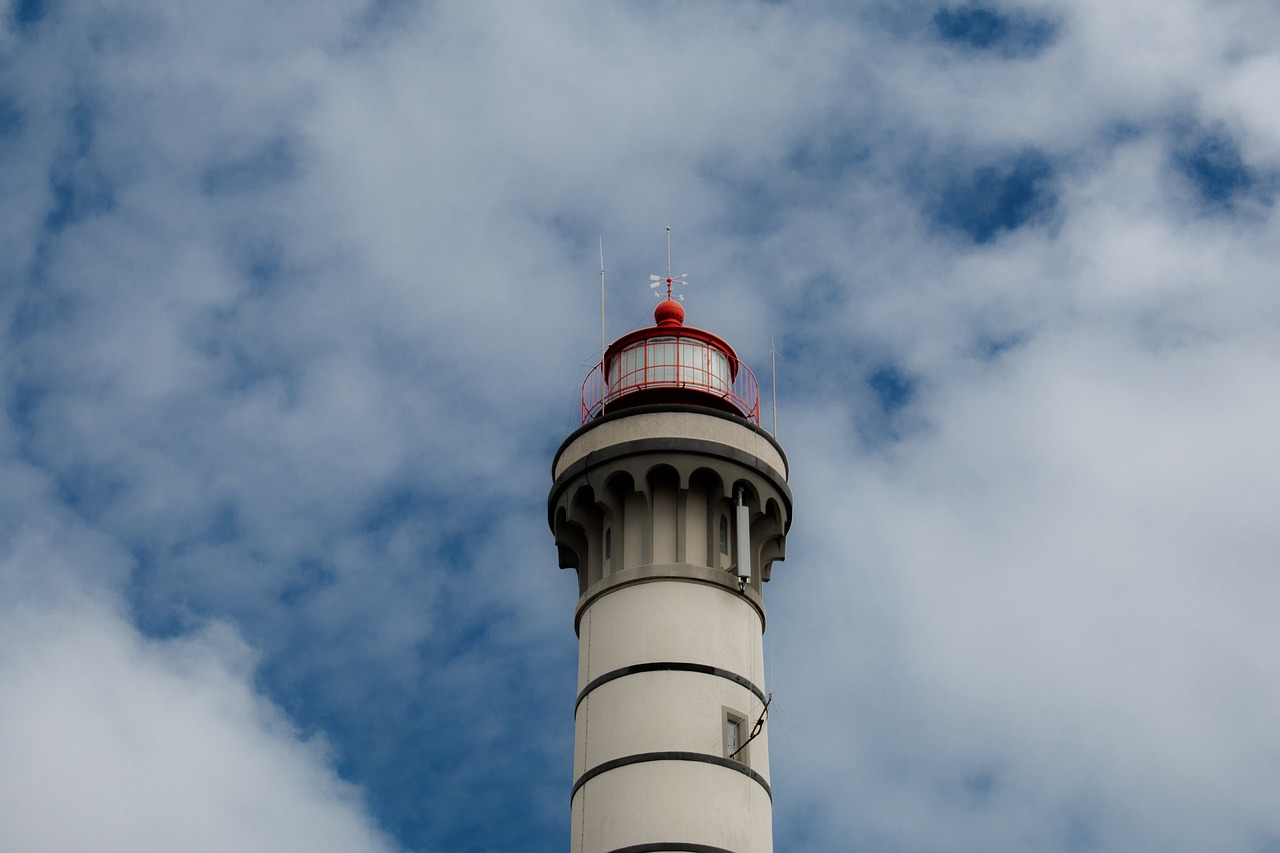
x=295 y=303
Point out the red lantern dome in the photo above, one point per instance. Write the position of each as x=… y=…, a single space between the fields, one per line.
x=670 y=363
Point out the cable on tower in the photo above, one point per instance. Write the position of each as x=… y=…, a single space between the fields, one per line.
x=757 y=728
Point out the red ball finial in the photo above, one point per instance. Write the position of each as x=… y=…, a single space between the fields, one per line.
x=669 y=313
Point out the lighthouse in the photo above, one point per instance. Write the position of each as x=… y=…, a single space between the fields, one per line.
x=671 y=503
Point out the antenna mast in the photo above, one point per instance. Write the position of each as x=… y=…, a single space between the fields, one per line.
x=773 y=369
x=668 y=261
x=602 y=340
x=656 y=280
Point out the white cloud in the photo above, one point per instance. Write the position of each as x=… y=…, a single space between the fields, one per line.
x=113 y=741
x=292 y=365
x=1062 y=583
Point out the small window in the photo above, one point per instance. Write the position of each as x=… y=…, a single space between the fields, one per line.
x=734 y=728
x=608 y=543
x=724 y=534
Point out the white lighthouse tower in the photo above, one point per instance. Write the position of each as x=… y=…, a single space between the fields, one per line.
x=672 y=504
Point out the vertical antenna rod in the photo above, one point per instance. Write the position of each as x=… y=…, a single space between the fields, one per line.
x=602 y=340
x=773 y=368
x=655 y=280
x=668 y=261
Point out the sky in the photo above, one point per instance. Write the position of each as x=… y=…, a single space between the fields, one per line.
x=296 y=300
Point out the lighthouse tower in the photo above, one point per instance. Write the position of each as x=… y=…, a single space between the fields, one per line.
x=672 y=505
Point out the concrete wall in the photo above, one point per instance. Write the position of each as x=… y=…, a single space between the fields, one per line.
x=665 y=711
x=675 y=424
x=670 y=645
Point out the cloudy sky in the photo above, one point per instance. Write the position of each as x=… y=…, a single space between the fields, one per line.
x=295 y=303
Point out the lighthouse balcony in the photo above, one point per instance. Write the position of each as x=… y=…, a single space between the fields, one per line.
x=671 y=369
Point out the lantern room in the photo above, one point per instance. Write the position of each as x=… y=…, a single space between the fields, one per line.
x=670 y=363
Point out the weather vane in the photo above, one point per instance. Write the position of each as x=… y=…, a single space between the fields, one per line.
x=670 y=279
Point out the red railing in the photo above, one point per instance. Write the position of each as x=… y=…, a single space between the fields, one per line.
x=656 y=365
